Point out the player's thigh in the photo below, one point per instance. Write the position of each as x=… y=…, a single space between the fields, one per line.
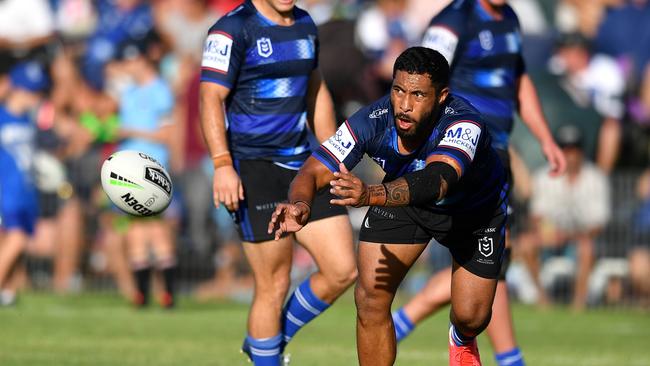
x=330 y=243
x=471 y=295
x=382 y=267
x=265 y=185
x=270 y=262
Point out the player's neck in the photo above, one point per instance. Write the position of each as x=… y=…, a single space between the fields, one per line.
x=494 y=11
x=280 y=18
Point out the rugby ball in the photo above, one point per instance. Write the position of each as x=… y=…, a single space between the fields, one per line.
x=136 y=183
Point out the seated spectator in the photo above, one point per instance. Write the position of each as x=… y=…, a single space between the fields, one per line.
x=594 y=80
x=571 y=209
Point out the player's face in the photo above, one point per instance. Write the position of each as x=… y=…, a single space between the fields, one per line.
x=281 y=6
x=497 y=2
x=415 y=103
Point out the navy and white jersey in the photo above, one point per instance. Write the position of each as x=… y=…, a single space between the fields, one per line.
x=266 y=67
x=459 y=133
x=486 y=60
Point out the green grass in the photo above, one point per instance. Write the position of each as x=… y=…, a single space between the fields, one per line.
x=100 y=330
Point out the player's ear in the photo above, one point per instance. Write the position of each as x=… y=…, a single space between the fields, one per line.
x=443 y=95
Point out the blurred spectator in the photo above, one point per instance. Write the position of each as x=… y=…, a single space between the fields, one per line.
x=184 y=24
x=145 y=107
x=568 y=209
x=625 y=34
x=639 y=256
x=18 y=197
x=597 y=81
x=26 y=26
x=382 y=33
x=582 y=16
x=118 y=21
x=74 y=19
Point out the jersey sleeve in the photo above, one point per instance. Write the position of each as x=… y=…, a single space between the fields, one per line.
x=444 y=32
x=223 y=52
x=460 y=142
x=343 y=147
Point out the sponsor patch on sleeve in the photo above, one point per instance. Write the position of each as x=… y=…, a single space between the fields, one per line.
x=463 y=136
x=442 y=40
x=216 y=52
x=341 y=144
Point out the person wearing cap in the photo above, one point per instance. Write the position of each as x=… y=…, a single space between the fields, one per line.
x=571 y=209
x=18 y=196
x=145 y=108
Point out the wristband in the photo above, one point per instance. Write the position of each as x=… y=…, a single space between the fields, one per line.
x=301 y=201
x=221 y=159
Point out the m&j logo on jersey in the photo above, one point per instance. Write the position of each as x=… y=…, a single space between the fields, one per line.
x=463 y=136
x=216 y=52
x=264 y=47
x=341 y=144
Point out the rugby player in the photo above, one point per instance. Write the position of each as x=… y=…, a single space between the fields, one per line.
x=443 y=180
x=260 y=74
x=482 y=42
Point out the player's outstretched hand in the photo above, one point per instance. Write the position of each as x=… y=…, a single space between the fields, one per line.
x=351 y=190
x=288 y=218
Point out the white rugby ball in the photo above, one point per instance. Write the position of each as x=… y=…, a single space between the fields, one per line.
x=136 y=183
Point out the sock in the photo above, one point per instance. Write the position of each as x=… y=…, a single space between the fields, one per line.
x=510 y=358
x=402 y=323
x=459 y=338
x=265 y=351
x=142 y=279
x=302 y=307
x=169 y=277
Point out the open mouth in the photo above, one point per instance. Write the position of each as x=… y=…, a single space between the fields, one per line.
x=404 y=124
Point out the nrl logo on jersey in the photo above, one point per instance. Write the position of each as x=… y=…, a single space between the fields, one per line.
x=486 y=39
x=264 y=47
x=449 y=110
x=378 y=113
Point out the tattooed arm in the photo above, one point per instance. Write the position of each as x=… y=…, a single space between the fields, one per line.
x=417 y=188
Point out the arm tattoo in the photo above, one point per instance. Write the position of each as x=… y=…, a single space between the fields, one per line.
x=376 y=195
x=397 y=193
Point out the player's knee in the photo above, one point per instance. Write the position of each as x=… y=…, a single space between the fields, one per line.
x=273 y=290
x=372 y=305
x=343 y=277
x=471 y=318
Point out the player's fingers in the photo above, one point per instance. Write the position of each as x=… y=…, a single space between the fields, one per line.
x=346 y=184
x=279 y=232
x=241 y=191
x=342 y=201
x=215 y=198
x=343 y=168
x=343 y=193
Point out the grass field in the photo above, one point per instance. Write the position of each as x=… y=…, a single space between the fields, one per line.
x=100 y=330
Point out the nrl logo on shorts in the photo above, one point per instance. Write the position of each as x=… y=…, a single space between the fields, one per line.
x=264 y=47
x=485 y=246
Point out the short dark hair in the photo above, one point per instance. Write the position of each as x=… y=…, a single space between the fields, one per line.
x=423 y=60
